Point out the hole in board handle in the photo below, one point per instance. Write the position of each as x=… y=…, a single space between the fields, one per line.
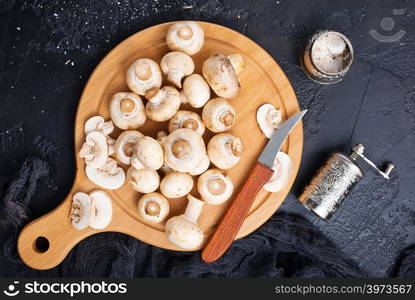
x=41 y=244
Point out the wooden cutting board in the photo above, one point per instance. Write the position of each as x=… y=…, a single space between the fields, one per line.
x=262 y=81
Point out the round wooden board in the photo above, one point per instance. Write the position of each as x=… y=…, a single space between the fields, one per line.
x=262 y=81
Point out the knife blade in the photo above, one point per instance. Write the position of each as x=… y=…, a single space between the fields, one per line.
x=262 y=172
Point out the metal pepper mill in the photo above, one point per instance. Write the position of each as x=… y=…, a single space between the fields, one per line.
x=334 y=181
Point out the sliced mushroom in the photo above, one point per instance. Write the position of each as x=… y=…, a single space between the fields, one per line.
x=125 y=145
x=218 y=115
x=81 y=211
x=110 y=176
x=221 y=76
x=186 y=119
x=162 y=103
x=237 y=62
x=224 y=150
x=268 y=119
x=283 y=170
x=186 y=36
x=101 y=204
x=177 y=65
x=183 y=230
x=201 y=168
x=142 y=75
x=183 y=150
x=143 y=180
x=153 y=207
x=215 y=186
x=176 y=185
x=127 y=110
x=148 y=153
x=196 y=91
x=95 y=149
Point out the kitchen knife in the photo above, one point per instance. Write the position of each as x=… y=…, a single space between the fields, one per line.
x=232 y=221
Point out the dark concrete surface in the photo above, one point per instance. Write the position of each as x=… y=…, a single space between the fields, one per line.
x=48 y=49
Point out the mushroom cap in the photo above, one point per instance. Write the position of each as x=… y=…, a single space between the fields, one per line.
x=218 y=115
x=196 y=90
x=148 y=153
x=142 y=75
x=98 y=123
x=283 y=170
x=81 y=210
x=176 y=185
x=186 y=119
x=186 y=36
x=237 y=62
x=176 y=65
x=202 y=167
x=225 y=150
x=95 y=149
x=220 y=74
x=127 y=110
x=162 y=103
x=183 y=233
x=143 y=180
x=215 y=186
x=110 y=176
x=125 y=144
x=268 y=119
x=183 y=150
x=101 y=204
x=153 y=207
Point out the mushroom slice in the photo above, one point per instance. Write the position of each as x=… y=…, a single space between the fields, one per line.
x=142 y=75
x=237 y=62
x=183 y=230
x=283 y=170
x=196 y=91
x=110 y=176
x=127 y=110
x=101 y=204
x=99 y=124
x=81 y=211
x=162 y=103
x=143 y=180
x=153 y=207
x=183 y=150
x=221 y=76
x=214 y=186
x=225 y=150
x=201 y=168
x=186 y=119
x=176 y=185
x=218 y=115
x=148 y=153
x=187 y=36
x=268 y=119
x=177 y=65
x=95 y=149
x=125 y=145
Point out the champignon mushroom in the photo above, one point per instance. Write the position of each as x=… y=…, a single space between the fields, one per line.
x=142 y=75
x=186 y=36
x=143 y=180
x=183 y=230
x=125 y=145
x=176 y=65
x=221 y=76
x=161 y=136
x=201 y=168
x=147 y=153
x=183 y=150
x=99 y=124
x=127 y=110
x=186 y=119
x=101 y=204
x=153 y=207
x=218 y=115
x=109 y=176
x=196 y=91
x=81 y=211
x=283 y=170
x=162 y=103
x=268 y=119
x=215 y=186
x=95 y=149
x=237 y=62
x=224 y=150
x=176 y=185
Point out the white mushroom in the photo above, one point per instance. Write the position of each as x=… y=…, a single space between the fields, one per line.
x=109 y=176
x=142 y=75
x=101 y=204
x=215 y=186
x=268 y=119
x=187 y=119
x=162 y=103
x=127 y=110
x=218 y=115
x=177 y=65
x=196 y=91
x=153 y=207
x=125 y=145
x=99 y=124
x=237 y=62
x=176 y=185
x=143 y=180
x=201 y=168
x=183 y=230
x=161 y=137
x=148 y=153
x=283 y=170
x=186 y=36
x=95 y=149
x=183 y=150
x=221 y=76
x=224 y=150
x=81 y=211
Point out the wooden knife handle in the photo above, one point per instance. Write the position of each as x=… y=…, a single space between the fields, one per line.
x=232 y=221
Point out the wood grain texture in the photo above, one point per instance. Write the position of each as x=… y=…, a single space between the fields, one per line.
x=262 y=82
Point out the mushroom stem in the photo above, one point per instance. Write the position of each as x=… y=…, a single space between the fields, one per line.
x=175 y=77
x=155 y=96
x=193 y=209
